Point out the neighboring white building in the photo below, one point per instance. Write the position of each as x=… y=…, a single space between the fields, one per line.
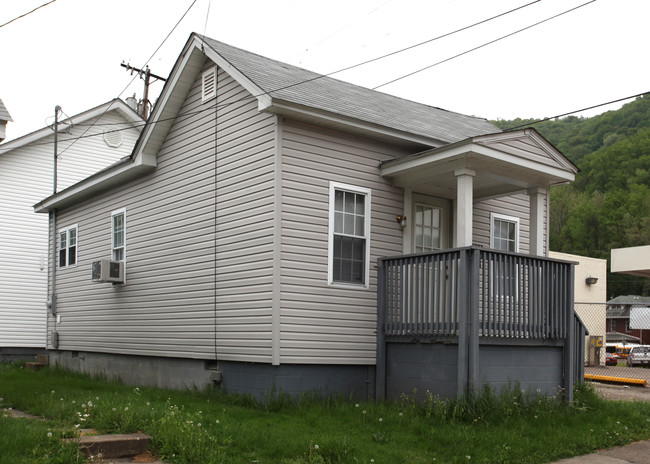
x=87 y=143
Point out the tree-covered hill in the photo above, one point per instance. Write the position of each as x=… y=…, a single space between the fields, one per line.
x=608 y=206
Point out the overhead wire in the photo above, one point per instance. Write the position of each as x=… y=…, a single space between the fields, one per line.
x=211 y=108
x=136 y=75
x=481 y=46
x=347 y=68
x=28 y=13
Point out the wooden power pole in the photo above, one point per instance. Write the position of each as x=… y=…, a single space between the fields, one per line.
x=146 y=75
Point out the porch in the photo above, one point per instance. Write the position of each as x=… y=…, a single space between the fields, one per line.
x=452 y=321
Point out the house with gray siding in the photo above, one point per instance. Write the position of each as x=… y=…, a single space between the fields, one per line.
x=278 y=229
x=87 y=142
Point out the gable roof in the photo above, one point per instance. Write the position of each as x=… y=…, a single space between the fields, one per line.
x=92 y=114
x=290 y=85
x=4 y=114
x=504 y=162
x=283 y=89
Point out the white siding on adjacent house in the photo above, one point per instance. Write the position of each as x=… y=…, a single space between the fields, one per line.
x=322 y=324
x=188 y=293
x=26 y=177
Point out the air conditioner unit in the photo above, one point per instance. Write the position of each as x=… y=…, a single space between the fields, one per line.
x=106 y=270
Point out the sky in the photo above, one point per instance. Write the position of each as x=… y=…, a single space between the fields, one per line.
x=68 y=53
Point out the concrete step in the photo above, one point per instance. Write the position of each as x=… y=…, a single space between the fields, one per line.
x=114 y=446
x=35 y=366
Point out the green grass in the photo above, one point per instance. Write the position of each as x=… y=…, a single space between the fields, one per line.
x=210 y=427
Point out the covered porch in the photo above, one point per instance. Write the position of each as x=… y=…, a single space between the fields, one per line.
x=464 y=313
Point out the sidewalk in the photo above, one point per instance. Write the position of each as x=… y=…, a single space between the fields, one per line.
x=635 y=453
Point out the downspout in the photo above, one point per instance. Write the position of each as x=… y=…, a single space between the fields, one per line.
x=52 y=300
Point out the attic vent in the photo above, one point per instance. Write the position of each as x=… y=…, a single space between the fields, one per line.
x=209 y=90
x=113 y=139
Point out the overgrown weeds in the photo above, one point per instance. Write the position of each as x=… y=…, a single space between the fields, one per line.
x=513 y=425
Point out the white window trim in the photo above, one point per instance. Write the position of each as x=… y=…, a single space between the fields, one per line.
x=67 y=230
x=330 y=236
x=503 y=217
x=113 y=214
x=209 y=76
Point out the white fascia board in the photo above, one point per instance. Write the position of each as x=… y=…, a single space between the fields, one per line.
x=263 y=98
x=468 y=149
x=118 y=174
x=291 y=109
x=395 y=167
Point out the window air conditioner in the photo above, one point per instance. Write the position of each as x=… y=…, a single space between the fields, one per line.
x=106 y=270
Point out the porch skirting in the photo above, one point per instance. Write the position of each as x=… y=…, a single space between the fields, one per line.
x=422 y=369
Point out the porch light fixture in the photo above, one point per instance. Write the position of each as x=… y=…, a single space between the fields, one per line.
x=591 y=280
x=401 y=220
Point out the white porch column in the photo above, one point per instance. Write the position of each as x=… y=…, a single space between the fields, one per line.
x=537 y=200
x=464 y=207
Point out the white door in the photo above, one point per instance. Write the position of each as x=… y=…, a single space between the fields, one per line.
x=430 y=225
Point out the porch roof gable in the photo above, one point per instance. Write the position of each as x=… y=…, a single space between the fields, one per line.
x=504 y=162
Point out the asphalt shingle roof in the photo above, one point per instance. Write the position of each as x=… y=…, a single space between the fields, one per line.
x=300 y=86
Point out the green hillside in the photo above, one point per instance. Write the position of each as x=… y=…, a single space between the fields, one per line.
x=608 y=206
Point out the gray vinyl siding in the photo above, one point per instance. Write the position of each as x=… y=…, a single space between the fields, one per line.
x=178 y=297
x=517 y=205
x=26 y=177
x=324 y=324
x=245 y=218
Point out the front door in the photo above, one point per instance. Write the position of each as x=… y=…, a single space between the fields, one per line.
x=430 y=231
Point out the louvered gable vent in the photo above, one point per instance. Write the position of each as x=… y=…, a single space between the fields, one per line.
x=209 y=85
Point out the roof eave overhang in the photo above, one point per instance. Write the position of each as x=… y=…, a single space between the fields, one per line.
x=111 y=177
x=94 y=113
x=351 y=125
x=468 y=153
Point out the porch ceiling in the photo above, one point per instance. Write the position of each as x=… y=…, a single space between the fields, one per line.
x=504 y=163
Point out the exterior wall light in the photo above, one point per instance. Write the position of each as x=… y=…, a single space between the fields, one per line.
x=591 y=280
x=401 y=220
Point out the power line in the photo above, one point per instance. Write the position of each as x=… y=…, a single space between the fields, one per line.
x=28 y=13
x=211 y=108
x=480 y=46
x=131 y=81
x=577 y=111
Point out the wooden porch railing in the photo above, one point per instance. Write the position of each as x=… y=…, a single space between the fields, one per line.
x=470 y=293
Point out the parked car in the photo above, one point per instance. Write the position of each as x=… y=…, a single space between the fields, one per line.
x=611 y=359
x=639 y=355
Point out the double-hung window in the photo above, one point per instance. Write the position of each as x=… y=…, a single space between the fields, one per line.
x=349 y=235
x=504 y=236
x=68 y=247
x=504 y=232
x=118 y=235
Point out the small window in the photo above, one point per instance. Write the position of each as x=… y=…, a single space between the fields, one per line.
x=209 y=85
x=349 y=235
x=68 y=247
x=118 y=235
x=504 y=232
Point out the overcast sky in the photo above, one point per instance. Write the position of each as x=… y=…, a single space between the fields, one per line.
x=68 y=53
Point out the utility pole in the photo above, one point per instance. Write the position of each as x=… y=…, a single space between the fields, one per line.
x=146 y=75
x=57 y=108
